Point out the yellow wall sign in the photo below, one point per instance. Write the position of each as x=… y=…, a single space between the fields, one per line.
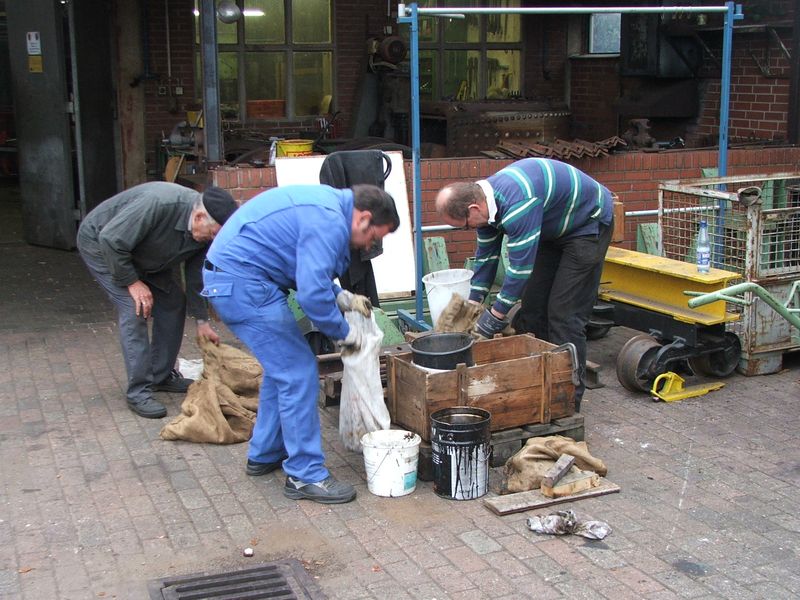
x=35 y=64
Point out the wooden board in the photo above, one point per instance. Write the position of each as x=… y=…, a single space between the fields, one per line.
x=394 y=269
x=522 y=501
x=558 y=470
x=572 y=483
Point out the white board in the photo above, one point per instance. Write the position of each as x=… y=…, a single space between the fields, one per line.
x=394 y=269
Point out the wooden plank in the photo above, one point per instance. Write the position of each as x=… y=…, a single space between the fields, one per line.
x=463 y=384
x=573 y=483
x=558 y=470
x=435 y=254
x=534 y=499
x=618 y=235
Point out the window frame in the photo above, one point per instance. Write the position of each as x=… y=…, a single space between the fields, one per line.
x=287 y=48
x=440 y=46
x=590 y=36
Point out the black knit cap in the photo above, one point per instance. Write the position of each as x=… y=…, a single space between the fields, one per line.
x=219 y=204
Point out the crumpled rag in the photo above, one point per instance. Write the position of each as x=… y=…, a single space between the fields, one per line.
x=566 y=521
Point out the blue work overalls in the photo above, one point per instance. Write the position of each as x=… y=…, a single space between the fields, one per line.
x=294 y=237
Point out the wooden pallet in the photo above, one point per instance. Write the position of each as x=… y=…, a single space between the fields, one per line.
x=507 y=443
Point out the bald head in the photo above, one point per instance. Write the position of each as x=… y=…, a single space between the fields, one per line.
x=462 y=204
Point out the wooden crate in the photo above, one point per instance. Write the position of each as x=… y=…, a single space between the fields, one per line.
x=520 y=380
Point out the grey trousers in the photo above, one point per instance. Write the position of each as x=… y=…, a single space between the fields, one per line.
x=148 y=359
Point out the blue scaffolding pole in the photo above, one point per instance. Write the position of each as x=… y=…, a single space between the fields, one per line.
x=410 y=13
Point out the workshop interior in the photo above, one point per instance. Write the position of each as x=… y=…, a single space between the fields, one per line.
x=688 y=112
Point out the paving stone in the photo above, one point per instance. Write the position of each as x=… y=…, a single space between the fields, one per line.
x=479 y=542
x=708 y=507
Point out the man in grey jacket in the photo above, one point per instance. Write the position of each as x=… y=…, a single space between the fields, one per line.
x=133 y=245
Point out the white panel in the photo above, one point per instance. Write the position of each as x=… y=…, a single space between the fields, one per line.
x=394 y=269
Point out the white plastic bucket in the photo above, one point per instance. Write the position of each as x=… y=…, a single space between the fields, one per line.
x=440 y=287
x=390 y=460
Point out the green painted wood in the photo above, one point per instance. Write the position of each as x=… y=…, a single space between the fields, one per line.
x=434 y=255
x=391 y=332
x=647 y=238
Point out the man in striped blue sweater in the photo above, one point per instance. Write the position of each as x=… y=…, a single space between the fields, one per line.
x=559 y=222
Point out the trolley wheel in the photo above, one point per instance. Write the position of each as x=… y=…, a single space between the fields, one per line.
x=634 y=360
x=720 y=363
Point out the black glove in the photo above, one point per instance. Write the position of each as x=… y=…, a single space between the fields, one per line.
x=487 y=325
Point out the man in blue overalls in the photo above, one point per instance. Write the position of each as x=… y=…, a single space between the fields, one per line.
x=294 y=237
x=559 y=223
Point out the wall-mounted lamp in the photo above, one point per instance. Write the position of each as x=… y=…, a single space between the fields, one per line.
x=228 y=11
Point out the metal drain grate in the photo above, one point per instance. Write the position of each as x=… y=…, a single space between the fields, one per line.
x=279 y=580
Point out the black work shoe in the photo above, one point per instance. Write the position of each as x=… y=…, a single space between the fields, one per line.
x=148 y=408
x=173 y=383
x=327 y=491
x=256 y=469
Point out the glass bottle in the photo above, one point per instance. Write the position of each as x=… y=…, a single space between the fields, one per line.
x=703 y=249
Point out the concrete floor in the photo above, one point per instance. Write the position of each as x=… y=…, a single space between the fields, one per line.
x=93 y=503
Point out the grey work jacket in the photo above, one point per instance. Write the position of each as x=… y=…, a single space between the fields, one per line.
x=143 y=233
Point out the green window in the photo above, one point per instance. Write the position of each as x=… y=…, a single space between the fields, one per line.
x=276 y=61
x=472 y=58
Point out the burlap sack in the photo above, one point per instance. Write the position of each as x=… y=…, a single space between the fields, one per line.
x=220 y=408
x=458 y=316
x=234 y=368
x=524 y=471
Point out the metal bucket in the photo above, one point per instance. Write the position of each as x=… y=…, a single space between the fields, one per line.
x=443 y=350
x=461 y=450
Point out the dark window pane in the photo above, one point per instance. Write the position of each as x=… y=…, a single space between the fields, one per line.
x=229 y=84
x=264 y=22
x=313 y=82
x=265 y=74
x=427 y=74
x=311 y=21
x=503 y=28
x=502 y=73
x=460 y=79
x=462 y=30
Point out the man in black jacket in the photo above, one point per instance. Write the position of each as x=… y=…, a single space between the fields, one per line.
x=133 y=245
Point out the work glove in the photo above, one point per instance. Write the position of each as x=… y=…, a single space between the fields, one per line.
x=487 y=325
x=352 y=343
x=347 y=301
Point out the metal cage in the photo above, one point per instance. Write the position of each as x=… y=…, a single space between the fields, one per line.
x=754 y=226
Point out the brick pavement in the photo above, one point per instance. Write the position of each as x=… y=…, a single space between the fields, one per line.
x=93 y=504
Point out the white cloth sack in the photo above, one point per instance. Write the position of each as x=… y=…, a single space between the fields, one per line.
x=362 y=408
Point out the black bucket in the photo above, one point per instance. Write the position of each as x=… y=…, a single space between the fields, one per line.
x=461 y=450
x=443 y=350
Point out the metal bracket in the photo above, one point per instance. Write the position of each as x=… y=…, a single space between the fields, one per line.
x=570 y=347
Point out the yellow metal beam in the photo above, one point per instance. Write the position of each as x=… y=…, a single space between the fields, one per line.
x=657 y=283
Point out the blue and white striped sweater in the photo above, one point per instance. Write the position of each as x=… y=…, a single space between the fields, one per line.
x=537 y=199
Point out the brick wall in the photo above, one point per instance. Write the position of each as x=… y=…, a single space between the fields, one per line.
x=594 y=86
x=545 y=56
x=163 y=112
x=758 y=104
x=633 y=176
